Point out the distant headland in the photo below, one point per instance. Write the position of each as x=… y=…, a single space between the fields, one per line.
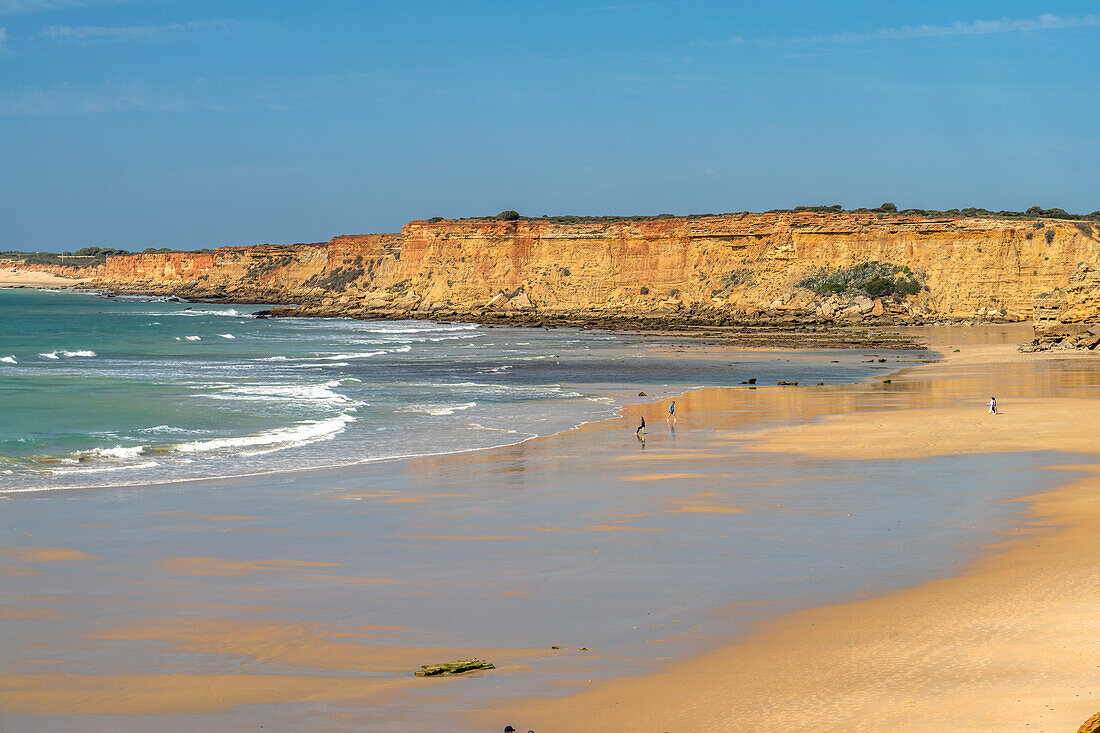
x=804 y=267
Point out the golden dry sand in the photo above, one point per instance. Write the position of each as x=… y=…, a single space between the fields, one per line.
x=27 y=279
x=1012 y=644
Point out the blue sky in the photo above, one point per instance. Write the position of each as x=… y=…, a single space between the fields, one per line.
x=190 y=123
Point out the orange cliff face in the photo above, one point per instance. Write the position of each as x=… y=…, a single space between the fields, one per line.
x=738 y=266
x=156 y=269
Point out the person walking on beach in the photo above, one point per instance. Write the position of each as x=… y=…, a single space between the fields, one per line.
x=640 y=432
x=992 y=405
x=672 y=411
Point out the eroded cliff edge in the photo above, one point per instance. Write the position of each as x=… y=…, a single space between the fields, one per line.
x=741 y=268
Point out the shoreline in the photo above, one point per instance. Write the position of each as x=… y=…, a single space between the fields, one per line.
x=803 y=419
x=975 y=650
x=686 y=341
x=616 y=413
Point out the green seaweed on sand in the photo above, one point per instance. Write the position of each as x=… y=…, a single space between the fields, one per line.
x=449 y=668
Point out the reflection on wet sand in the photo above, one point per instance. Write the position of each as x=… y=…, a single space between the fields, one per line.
x=44 y=554
x=577 y=541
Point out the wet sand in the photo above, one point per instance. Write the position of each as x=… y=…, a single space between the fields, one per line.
x=304 y=601
x=1011 y=644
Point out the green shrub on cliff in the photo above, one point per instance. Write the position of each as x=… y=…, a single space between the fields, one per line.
x=874 y=279
x=265 y=265
x=508 y=215
x=337 y=280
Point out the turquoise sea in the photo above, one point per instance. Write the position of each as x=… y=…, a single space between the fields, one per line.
x=101 y=391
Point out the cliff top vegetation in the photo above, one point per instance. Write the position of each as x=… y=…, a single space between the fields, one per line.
x=886 y=209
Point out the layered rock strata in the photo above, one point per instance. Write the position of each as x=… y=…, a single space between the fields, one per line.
x=714 y=269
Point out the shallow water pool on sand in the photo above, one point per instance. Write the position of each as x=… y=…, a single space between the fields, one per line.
x=333 y=586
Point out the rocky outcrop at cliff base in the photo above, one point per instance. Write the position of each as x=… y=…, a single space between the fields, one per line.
x=745 y=268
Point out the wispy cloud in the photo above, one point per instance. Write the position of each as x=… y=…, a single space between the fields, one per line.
x=124 y=33
x=627 y=6
x=137 y=96
x=27 y=6
x=66 y=100
x=1044 y=22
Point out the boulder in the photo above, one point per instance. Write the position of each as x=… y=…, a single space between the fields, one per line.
x=877 y=309
x=865 y=304
x=520 y=301
x=1092 y=725
x=497 y=301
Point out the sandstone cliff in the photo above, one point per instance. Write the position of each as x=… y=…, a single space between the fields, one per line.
x=739 y=267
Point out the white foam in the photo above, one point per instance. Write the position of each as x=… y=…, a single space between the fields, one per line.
x=103 y=469
x=119 y=451
x=313 y=393
x=437 y=410
x=193 y=338
x=8 y=359
x=273 y=358
x=227 y=335
x=420 y=327
x=354 y=355
x=231 y=313
x=169 y=429
x=50 y=355
x=478 y=426
x=300 y=434
x=78 y=353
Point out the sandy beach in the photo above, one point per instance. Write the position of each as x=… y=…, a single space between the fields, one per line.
x=1009 y=645
x=610 y=581
x=10 y=278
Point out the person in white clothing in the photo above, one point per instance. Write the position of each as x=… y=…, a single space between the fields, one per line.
x=992 y=405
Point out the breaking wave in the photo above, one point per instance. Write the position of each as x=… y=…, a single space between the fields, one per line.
x=119 y=451
x=66 y=354
x=437 y=410
x=309 y=431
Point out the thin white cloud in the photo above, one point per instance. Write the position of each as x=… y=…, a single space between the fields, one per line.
x=1044 y=22
x=27 y=6
x=623 y=6
x=136 y=96
x=124 y=33
x=66 y=100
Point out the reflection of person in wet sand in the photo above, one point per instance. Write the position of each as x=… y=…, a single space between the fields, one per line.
x=640 y=432
x=992 y=405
